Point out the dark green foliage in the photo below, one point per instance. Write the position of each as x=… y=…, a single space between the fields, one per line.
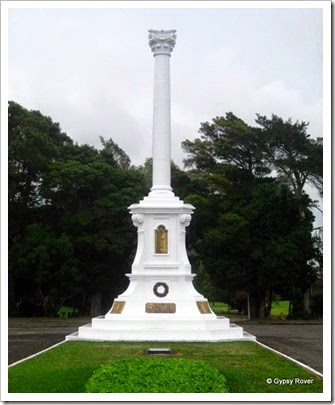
x=291 y=151
x=296 y=305
x=258 y=245
x=45 y=267
x=113 y=154
x=252 y=230
x=34 y=141
x=71 y=239
x=156 y=375
x=228 y=145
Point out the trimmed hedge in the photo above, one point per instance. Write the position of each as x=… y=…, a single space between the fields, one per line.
x=158 y=375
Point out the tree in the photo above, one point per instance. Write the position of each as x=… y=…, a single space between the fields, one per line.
x=258 y=237
x=33 y=140
x=228 y=157
x=295 y=156
x=89 y=195
x=113 y=154
x=260 y=246
x=46 y=271
x=225 y=144
x=75 y=239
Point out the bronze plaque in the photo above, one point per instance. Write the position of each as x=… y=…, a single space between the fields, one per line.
x=160 y=308
x=161 y=240
x=204 y=307
x=117 y=307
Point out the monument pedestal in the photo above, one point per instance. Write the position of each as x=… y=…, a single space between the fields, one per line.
x=161 y=303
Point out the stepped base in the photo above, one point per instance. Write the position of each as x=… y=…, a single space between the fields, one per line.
x=169 y=330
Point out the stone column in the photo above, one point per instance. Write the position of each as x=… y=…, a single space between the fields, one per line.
x=161 y=43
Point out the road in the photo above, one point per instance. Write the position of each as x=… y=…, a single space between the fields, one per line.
x=27 y=336
x=302 y=341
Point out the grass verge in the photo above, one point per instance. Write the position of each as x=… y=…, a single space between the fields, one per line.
x=246 y=365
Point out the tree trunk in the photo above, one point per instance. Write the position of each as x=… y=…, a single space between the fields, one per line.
x=253 y=307
x=95 y=304
x=290 y=306
x=267 y=312
x=307 y=301
x=261 y=307
x=257 y=304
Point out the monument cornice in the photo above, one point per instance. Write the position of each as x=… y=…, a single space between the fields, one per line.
x=161 y=41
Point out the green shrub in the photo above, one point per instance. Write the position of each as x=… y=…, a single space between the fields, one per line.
x=65 y=312
x=156 y=375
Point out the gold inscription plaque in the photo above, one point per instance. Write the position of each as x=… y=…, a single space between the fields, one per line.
x=160 y=308
x=117 y=307
x=161 y=240
x=203 y=307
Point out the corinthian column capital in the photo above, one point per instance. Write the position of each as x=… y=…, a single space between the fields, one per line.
x=162 y=42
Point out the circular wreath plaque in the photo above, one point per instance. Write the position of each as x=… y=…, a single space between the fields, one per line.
x=161 y=289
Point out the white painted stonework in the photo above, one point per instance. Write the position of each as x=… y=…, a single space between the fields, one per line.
x=161 y=303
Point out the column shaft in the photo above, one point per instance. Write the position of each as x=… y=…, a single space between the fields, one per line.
x=161 y=124
x=161 y=43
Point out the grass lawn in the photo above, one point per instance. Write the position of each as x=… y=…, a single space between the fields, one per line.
x=221 y=308
x=279 y=309
x=246 y=366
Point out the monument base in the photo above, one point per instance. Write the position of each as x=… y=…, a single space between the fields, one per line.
x=161 y=307
x=167 y=330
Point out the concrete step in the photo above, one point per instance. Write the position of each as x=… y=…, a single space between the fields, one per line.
x=233 y=333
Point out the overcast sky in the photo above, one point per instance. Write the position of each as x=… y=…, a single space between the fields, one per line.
x=91 y=69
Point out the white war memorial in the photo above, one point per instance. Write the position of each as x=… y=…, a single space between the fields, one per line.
x=161 y=303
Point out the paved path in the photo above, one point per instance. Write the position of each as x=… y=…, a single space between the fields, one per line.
x=300 y=341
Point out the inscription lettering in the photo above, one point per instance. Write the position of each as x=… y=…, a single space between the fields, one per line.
x=160 y=308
